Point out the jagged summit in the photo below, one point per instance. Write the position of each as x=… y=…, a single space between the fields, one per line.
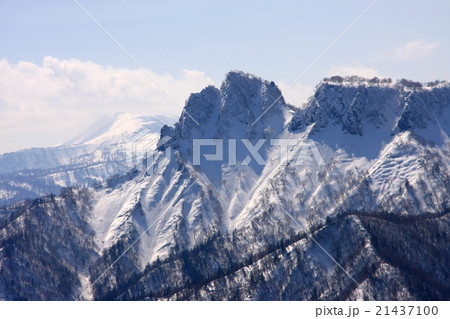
x=244 y=106
x=242 y=96
x=357 y=105
x=246 y=97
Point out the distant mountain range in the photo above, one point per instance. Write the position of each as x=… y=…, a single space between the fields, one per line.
x=345 y=198
x=92 y=157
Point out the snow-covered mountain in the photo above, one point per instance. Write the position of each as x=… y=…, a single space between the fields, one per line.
x=91 y=157
x=346 y=198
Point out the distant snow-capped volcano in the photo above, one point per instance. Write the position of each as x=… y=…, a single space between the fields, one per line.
x=93 y=156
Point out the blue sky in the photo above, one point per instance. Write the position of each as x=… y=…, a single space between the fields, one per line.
x=189 y=44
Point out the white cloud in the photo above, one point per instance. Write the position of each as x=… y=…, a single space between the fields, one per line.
x=359 y=70
x=413 y=50
x=297 y=94
x=50 y=103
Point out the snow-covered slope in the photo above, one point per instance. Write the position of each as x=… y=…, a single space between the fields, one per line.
x=96 y=154
x=118 y=127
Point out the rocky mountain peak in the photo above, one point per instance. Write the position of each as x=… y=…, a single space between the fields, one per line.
x=246 y=97
x=244 y=106
x=357 y=104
